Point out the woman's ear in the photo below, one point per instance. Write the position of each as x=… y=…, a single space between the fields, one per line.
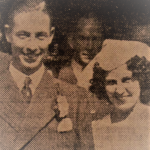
x=7 y=33
x=52 y=33
x=70 y=39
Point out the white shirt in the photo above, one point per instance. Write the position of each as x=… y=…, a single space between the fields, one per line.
x=77 y=69
x=19 y=77
x=81 y=79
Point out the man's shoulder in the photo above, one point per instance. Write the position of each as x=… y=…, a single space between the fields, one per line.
x=4 y=56
x=5 y=76
x=66 y=69
x=67 y=74
x=68 y=86
x=4 y=61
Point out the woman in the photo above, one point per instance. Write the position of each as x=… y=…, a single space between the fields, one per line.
x=124 y=81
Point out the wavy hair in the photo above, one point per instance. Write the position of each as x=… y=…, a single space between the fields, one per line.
x=140 y=68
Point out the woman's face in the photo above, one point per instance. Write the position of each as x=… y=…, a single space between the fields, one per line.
x=123 y=91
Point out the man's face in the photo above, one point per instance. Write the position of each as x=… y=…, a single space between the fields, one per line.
x=123 y=91
x=29 y=38
x=88 y=40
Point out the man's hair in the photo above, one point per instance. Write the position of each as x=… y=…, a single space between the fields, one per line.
x=19 y=6
x=10 y=7
x=74 y=28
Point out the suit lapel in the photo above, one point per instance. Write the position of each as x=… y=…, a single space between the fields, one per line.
x=67 y=74
x=71 y=76
x=40 y=110
x=26 y=119
x=12 y=108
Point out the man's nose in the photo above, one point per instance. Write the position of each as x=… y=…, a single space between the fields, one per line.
x=32 y=45
x=90 y=44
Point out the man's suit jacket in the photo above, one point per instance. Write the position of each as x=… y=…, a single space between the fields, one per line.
x=66 y=74
x=34 y=126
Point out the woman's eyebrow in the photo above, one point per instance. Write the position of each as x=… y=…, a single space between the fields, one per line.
x=126 y=78
x=111 y=81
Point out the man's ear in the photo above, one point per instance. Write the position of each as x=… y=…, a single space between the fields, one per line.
x=71 y=40
x=7 y=33
x=52 y=33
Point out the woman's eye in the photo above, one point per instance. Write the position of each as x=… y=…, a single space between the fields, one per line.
x=126 y=80
x=111 y=82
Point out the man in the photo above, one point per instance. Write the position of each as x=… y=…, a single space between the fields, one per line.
x=86 y=40
x=36 y=110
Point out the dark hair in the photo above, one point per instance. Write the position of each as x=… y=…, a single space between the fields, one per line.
x=98 y=82
x=86 y=15
x=140 y=68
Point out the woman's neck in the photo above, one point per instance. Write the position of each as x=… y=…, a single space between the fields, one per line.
x=118 y=115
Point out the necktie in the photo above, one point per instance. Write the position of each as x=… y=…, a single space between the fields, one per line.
x=26 y=90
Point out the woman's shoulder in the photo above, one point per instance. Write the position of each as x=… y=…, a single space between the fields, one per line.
x=142 y=109
x=138 y=118
x=141 y=112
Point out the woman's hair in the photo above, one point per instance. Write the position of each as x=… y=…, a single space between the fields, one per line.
x=140 y=68
x=98 y=82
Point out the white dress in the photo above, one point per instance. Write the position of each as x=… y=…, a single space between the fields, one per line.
x=133 y=133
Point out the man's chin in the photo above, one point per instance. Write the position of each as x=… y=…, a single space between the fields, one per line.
x=31 y=63
x=86 y=61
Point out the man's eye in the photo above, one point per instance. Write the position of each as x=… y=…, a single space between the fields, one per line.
x=94 y=38
x=22 y=36
x=111 y=82
x=82 y=38
x=41 y=36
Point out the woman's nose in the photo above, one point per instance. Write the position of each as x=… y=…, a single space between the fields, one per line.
x=120 y=89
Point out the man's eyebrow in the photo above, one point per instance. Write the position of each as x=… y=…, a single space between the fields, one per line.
x=41 y=33
x=23 y=32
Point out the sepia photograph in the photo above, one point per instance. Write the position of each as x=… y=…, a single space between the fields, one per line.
x=74 y=74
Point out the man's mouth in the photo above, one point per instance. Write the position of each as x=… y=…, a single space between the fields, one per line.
x=89 y=55
x=85 y=53
x=31 y=57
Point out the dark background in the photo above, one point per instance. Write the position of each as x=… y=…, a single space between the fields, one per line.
x=123 y=19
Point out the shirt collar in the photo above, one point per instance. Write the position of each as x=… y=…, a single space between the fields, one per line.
x=77 y=68
x=19 y=77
